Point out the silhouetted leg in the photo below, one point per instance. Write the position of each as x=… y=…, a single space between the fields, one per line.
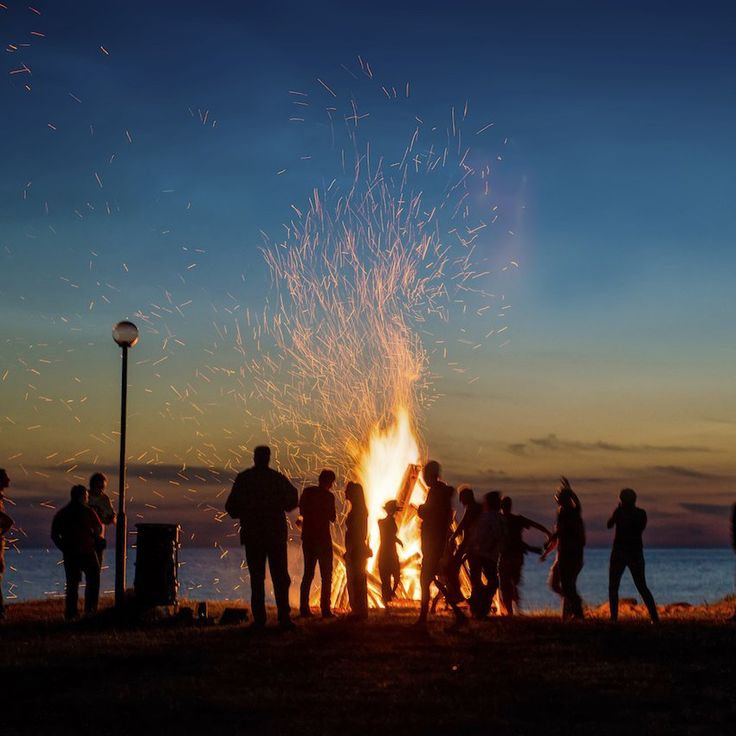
x=325 y=576
x=506 y=582
x=516 y=580
x=569 y=571
x=73 y=578
x=310 y=562
x=640 y=580
x=616 y=569
x=385 y=573
x=2 y=602
x=477 y=588
x=92 y=578
x=554 y=583
x=429 y=568
x=278 y=564
x=395 y=576
x=255 y=557
x=490 y=570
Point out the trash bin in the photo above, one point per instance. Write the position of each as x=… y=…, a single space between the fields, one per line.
x=157 y=564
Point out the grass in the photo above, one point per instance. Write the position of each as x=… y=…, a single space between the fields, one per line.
x=528 y=675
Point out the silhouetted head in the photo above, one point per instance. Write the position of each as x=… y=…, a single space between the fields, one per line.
x=628 y=497
x=79 y=494
x=391 y=507
x=4 y=480
x=492 y=500
x=326 y=479
x=431 y=472
x=466 y=495
x=563 y=497
x=354 y=494
x=97 y=484
x=262 y=456
x=506 y=504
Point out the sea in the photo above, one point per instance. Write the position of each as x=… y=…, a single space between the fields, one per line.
x=693 y=576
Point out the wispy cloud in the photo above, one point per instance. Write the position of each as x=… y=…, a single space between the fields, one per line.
x=553 y=443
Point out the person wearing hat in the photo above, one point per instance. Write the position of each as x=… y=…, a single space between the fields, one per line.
x=628 y=551
x=389 y=567
x=568 y=538
x=5 y=525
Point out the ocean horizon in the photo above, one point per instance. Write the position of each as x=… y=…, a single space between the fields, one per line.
x=691 y=575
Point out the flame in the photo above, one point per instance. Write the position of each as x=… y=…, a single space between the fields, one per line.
x=382 y=471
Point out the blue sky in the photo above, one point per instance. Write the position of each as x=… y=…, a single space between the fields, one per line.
x=616 y=179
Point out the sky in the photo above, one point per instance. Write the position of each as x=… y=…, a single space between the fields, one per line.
x=146 y=147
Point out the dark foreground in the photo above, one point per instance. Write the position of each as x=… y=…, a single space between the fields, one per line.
x=531 y=675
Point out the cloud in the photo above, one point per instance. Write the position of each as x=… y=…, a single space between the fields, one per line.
x=683 y=472
x=553 y=443
x=711 y=509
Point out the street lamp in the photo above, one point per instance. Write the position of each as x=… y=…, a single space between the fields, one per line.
x=125 y=334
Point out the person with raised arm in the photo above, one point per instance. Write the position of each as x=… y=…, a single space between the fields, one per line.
x=568 y=538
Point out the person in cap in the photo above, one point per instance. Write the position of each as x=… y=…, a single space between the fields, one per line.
x=389 y=567
x=628 y=551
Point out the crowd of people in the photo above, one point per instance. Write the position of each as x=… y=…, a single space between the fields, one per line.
x=477 y=560
x=486 y=546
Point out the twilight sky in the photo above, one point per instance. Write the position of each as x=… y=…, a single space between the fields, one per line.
x=145 y=146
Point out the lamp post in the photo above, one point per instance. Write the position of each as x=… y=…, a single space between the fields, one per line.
x=125 y=334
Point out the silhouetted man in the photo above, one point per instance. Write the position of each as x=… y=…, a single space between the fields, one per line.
x=512 y=555
x=317 y=508
x=569 y=540
x=100 y=503
x=5 y=525
x=628 y=551
x=76 y=531
x=260 y=497
x=436 y=516
x=487 y=541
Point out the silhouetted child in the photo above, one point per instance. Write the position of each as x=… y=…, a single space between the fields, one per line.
x=628 y=551
x=357 y=551
x=100 y=503
x=389 y=567
x=5 y=524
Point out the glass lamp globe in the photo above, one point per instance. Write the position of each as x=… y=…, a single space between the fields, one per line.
x=125 y=334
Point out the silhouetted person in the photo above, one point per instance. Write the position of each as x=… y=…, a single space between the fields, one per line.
x=436 y=516
x=512 y=555
x=484 y=551
x=628 y=551
x=569 y=540
x=100 y=503
x=389 y=567
x=76 y=531
x=357 y=551
x=464 y=532
x=317 y=508
x=5 y=525
x=260 y=498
